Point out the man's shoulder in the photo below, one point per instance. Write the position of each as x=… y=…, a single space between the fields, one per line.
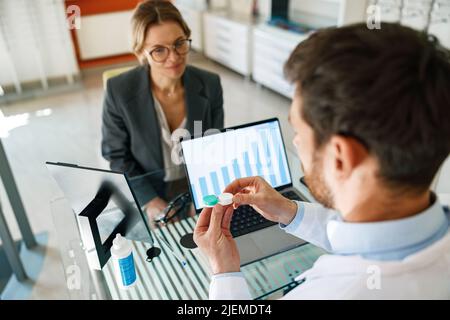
x=376 y=280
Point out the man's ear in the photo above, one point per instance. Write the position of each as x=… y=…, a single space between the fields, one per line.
x=347 y=154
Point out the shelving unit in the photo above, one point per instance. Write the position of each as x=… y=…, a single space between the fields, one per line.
x=228 y=40
x=193 y=15
x=272 y=45
x=430 y=15
x=35 y=46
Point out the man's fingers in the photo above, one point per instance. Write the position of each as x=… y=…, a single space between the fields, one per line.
x=243 y=191
x=216 y=218
x=239 y=184
x=204 y=218
x=226 y=221
x=244 y=198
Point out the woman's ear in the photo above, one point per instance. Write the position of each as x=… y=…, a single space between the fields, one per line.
x=143 y=57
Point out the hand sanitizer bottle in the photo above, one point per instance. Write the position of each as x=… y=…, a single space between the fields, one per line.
x=122 y=255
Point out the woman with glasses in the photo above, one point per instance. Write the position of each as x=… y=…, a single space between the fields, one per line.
x=144 y=106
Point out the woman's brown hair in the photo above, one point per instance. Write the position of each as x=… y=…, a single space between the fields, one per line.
x=151 y=12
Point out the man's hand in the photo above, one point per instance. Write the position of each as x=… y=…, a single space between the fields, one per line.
x=212 y=235
x=256 y=192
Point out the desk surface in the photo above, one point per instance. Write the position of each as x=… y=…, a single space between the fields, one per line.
x=165 y=277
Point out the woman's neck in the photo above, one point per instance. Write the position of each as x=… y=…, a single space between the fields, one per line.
x=165 y=85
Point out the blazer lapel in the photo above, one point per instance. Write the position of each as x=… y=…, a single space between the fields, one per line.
x=196 y=102
x=145 y=113
x=147 y=117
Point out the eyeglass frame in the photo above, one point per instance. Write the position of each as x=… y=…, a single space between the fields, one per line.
x=176 y=206
x=170 y=48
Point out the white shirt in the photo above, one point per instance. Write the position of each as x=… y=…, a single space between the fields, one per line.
x=399 y=259
x=172 y=171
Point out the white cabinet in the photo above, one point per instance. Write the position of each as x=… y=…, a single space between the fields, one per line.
x=194 y=20
x=272 y=47
x=228 y=41
x=325 y=13
x=199 y=5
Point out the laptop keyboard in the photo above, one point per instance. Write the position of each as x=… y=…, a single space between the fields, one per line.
x=245 y=219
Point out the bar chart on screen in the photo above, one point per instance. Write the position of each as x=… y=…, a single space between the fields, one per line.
x=213 y=162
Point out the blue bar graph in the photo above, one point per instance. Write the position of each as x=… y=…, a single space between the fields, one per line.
x=236 y=170
x=279 y=148
x=265 y=143
x=215 y=182
x=269 y=162
x=226 y=177
x=248 y=169
x=258 y=160
x=194 y=192
x=284 y=179
x=203 y=186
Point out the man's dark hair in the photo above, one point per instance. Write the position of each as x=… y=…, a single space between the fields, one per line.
x=388 y=88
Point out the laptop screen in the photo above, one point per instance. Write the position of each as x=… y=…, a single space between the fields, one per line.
x=213 y=161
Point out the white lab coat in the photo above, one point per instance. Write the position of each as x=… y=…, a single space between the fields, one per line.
x=422 y=275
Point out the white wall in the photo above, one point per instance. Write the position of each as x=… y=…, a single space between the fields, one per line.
x=104 y=35
x=443 y=182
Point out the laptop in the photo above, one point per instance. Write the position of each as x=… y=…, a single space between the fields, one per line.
x=104 y=204
x=212 y=161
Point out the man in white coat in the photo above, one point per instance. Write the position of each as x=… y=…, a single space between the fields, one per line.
x=371 y=116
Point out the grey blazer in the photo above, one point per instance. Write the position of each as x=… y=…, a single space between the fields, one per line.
x=131 y=133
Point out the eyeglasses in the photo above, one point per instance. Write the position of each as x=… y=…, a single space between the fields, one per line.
x=175 y=207
x=160 y=54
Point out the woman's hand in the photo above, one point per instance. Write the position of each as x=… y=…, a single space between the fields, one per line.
x=154 y=208
x=256 y=192
x=212 y=235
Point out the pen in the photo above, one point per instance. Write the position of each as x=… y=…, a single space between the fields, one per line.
x=179 y=257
